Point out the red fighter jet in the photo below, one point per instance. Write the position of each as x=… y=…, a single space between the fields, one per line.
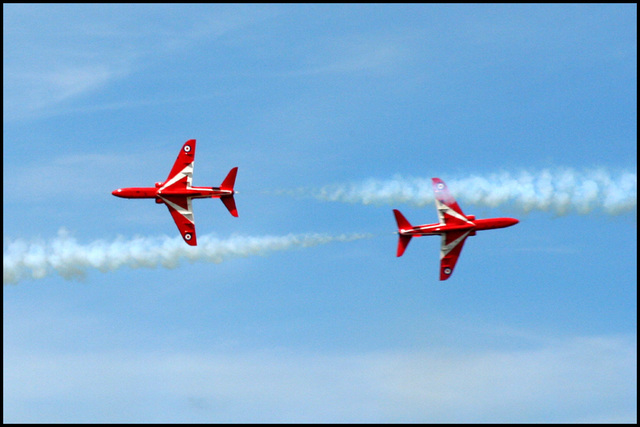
x=454 y=227
x=177 y=193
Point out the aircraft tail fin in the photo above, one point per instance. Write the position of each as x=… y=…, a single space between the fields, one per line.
x=230 y=180
x=228 y=184
x=230 y=203
x=401 y=220
x=404 y=239
x=403 y=242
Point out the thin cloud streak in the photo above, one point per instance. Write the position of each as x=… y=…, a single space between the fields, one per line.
x=560 y=191
x=66 y=65
x=72 y=260
x=555 y=381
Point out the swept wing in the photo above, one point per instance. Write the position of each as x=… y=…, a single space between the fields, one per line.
x=449 y=213
x=448 y=210
x=450 y=247
x=182 y=172
x=180 y=178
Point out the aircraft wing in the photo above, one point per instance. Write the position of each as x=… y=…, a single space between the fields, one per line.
x=182 y=172
x=182 y=213
x=448 y=210
x=450 y=247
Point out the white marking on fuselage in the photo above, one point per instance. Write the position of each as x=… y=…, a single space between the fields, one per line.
x=430 y=228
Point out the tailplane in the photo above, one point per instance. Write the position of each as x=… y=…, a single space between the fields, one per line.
x=403 y=224
x=230 y=180
x=404 y=239
x=230 y=203
x=228 y=184
x=403 y=242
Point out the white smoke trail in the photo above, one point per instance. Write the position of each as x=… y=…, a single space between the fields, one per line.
x=561 y=191
x=70 y=259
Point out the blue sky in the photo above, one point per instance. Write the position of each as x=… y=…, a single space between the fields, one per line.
x=320 y=106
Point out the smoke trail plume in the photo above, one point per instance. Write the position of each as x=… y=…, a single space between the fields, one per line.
x=561 y=191
x=70 y=259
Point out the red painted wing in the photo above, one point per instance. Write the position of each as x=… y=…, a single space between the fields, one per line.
x=448 y=210
x=182 y=213
x=450 y=247
x=182 y=171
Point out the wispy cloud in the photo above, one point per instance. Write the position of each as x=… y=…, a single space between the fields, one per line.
x=27 y=92
x=52 y=54
x=560 y=191
x=68 y=258
x=350 y=54
x=578 y=379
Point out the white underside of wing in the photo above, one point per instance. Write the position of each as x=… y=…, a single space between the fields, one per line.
x=187 y=171
x=187 y=213
x=442 y=209
x=446 y=248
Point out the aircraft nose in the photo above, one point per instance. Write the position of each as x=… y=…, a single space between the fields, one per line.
x=115 y=192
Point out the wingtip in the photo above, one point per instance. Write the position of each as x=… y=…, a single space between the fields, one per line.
x=190 y=238
x=445 y=272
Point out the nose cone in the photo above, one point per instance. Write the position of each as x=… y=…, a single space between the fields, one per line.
x=502 y=222
x=117 y=192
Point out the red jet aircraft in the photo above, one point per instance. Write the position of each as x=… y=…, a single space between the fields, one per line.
x=177 y=193
x=454 y=227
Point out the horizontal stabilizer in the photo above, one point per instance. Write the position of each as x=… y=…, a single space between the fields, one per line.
x=230 y=203
x=230 y=180
x=404 y=239
x=403 y=224
x=403 y=242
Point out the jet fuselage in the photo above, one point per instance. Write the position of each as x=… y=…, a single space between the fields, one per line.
x=454 y=228
x=473 y=225
x=177 y=193
x=156 y=192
